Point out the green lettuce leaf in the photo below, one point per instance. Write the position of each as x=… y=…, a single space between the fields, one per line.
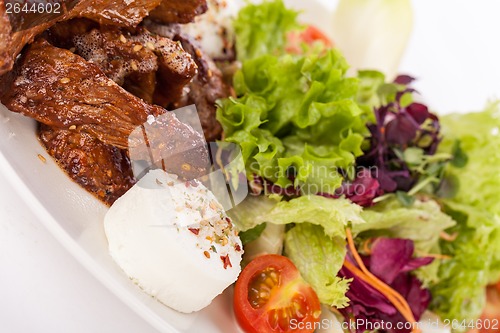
x=474 y=180
x=460 y=293
x=296 y=114
x=331 y=214
x=319 y=258
x=252 y=234
x=252 y=211
x=421 y=222
x=478 y=136
x=316 y=242
x=262 y=29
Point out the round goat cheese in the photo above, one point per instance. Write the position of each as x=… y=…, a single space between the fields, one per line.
x=174 y=240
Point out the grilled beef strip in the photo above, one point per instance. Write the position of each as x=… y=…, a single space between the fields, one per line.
x=62 y=33
x=6 y=60
x=101 y=169
x=175 y=11
x=151 y=67
x=206 y=87
x=61 y=89
x=122 y=13
x=126 y=62
x=176 y=67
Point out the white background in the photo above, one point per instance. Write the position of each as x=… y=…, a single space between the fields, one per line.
x=455 y=53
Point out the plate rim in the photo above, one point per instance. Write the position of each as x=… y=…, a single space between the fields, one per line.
x=50 y=223
x=54 y=228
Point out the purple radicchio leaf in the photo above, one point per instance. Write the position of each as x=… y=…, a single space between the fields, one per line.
x=391 y=261
x=404 y=79
x=361 y=191
x=396 y=129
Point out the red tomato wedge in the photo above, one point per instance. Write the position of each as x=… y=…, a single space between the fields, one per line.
x=313 y=34
x=271 y=297
x=490 y=319
x=309 y=36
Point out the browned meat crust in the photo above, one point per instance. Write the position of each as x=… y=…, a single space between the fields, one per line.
x=27 y=19
x=141 y=84
x=123 y=13
x=206 y=88
x=62 y=33
x=116 y=55
x=101 y=169
x=175 y=11
x=176 y=68
x=128 y=63
x=6 y=60
x=61 y=89
x=140 y=62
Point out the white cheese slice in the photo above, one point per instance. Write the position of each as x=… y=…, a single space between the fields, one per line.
x=174 y=240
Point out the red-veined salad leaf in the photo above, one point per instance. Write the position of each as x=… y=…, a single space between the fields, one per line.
x=422 y=223
x=404 y=140
x=391 y=260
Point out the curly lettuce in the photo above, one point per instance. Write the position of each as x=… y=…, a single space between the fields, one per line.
x=332 y=215
x=474 y=184
x=479 y=137
x=262 y=29
x=319 y=258
x=315 y=241
x=460 y=293
x=296 y=117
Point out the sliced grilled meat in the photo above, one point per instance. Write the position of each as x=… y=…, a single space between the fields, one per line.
x=114 y=54
x=63 y=33
x=206 y=88
x=27 y=19
x=61 y=89
x=128 y=63
x=101 y=169
x=139 y=61
x=6 y=59
x=175 y=11
x=123 y=13
x=176 y=67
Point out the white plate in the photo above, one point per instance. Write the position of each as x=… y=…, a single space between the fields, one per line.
x=75 y=218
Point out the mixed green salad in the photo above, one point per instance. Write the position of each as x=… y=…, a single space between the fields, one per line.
x=385 y=209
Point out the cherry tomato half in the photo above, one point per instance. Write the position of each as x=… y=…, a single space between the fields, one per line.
x=309 y=36
x=490 y=319
x=313 y=34
x=271 y=297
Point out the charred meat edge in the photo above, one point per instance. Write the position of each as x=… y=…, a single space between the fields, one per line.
x=63 y=90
